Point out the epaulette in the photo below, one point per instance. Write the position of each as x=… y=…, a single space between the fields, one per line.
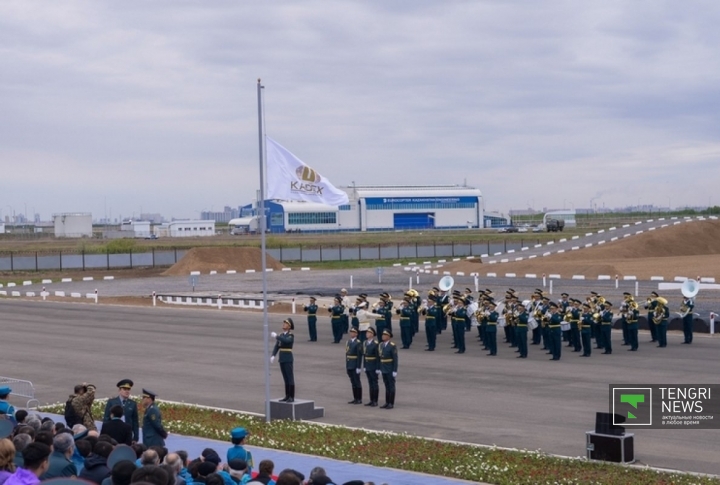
x=392 y=343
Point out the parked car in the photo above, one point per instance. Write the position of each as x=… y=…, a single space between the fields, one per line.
x=152 y=236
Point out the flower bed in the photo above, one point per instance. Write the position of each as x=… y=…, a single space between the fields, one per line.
x=405 y=452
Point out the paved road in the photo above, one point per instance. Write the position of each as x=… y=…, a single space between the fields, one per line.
x=215 y=358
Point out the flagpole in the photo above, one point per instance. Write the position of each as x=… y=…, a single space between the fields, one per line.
x=261 y=225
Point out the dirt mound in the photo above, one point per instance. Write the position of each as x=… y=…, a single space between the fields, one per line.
x=687 y=249
x=221 y=260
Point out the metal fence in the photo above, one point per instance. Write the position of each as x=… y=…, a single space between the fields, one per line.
x=21 y=388
x=15 y=261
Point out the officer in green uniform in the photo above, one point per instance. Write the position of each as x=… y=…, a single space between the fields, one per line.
x=388 y=312
x=284 y=345
x=371 y=363
x=688 y=305
x=458 y=322
x=491 y=329
x=586 y=326
x=650 y=307
x=521 y=331
x=431 y=319
x=554 y=331
x=130 y=408
x=406 y=312
x=633 y=315
x=353 y=364
x=662 y=313
x=606 y=317
x=5 y=407
x=311 y=310
x=153 y=432
x=337 y=312
x=388 y=368
x=381 y=309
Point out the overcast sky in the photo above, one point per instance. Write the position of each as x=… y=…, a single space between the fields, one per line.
x=121 y=107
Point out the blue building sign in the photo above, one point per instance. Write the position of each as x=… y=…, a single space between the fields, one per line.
x=391 y=203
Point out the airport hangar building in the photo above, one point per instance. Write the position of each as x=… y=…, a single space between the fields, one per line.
x=376 y=208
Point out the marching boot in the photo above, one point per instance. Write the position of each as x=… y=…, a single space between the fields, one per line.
x=375 y=398
x=291 y=395
x=372 y=398
x=354 y=390
x=387 y=401
x=287 y=394
x=391 y=405
x=358 y=398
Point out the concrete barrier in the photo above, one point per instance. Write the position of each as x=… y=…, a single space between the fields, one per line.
x=657 y=278
x=194 y=273
x=707 y=280
x=578 y=277
x=30 y=293
x=524 y=249
x=574 y=248
x=3 y=292
x=629 y=278
x=75 y=295
x=213 y=272
x=532 y=256
x=304 y=269
x=554 y=276
x=601 y=242
x=108 y=278
x=234 y=271
x=249 y=270
x=563 y=240
x=511 y=251
x=87 y=278
x=492 y=262
x=11 y=285
x=547 y=254
x=510 y=275
x=519 y=259
x=443 y=260
x=492 y=275
x=290 y=269
x=561 y=251
x=504 y=260
x=588 y=245
x=27 y=283
x=59 y=293
x=575 y=237
x=682 y=279
x=604 y=277
x=460 y=273
x=530 y=275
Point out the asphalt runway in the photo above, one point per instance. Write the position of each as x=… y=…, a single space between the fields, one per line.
x=215 y=358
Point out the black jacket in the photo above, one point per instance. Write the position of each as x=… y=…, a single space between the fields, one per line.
x=96 y=469
x=118 y=430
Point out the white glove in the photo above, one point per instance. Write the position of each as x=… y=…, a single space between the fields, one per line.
x=358 y=370
x=272 y=359
x=394 y=374
x=273 y=335
x=378 y=372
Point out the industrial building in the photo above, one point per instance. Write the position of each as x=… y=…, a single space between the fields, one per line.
x=185 y=229
x=73 y=224
x=374 y=208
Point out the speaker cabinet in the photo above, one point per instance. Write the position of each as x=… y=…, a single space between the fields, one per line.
x=604 y=447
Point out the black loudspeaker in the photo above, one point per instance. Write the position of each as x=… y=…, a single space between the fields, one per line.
x=618 y=449
x=604 y=424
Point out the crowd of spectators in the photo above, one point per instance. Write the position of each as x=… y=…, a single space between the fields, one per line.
x=38 y=449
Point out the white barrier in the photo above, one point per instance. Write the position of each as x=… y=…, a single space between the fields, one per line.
x=652 y=228
x=604 y=277
x=445 y=260
x=524 y=249
x=561 y=251
x=436 y=272
x=511 y=251
x=213 y=272
x=484 y=255
x=412 y=264
x=269 y=270
x=574 y=248
x=504 y=260
x=492 y=275
x=554 y=276
x=519 y=259
x=15 y=293
x=427 y=262
x=108 y=278
x=46 y=282
x=682 y=279
x=456 y=259
x=613 y=239
x=532 y=256
x=626 y=225
x=397 y=264
x=30 y=293
x=601 y=242
x=234 y=271
x=75 y=295
x=575 y=237
x=290 y=269
x=588 y=234
x=3 y=292
x=639 y=232
x=707 y=280
x=446 y=272
x=460 y=273
x=629 y=278
x=27 y=283
x=550 y=243
x=588 y=245
x=578 y=277
x=87 y=278
x=538 y=246
x=304 y=268
x=11 y=285
x=530 y=275
x=601 y=231
x=59 y=293
x=657 y=278
x=194 y=273
x=510 y=275
x=563 y=240
x=612 y=228
x=249 y=270
x=547 y=254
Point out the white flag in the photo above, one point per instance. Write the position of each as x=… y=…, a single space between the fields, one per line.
x=290 y=179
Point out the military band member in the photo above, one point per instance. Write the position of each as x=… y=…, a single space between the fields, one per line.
x=388 y=368
x=153 y=432
x=284 y=345
x=650 y=307
x=371 y=363
x=624 y=308
x=662 y=313
x=406 y=313
x=458 y=321
x=364 y=315
x=554 y=331
x=311 y=310
x=353 y=365
x=688 y=305
x=388 y=313
x=564 y=307
x=415 y=303
x=381 y=309
x=633 y=314
x=491 y=329
x=130 y=407
x=536 y=303
x=521 y=331
x=575 y=316
x=606 y=319
x=442 y=300
x=545 y=333
x=586 y=327
x=432 y=316
x=336 y=320
x=345 y=301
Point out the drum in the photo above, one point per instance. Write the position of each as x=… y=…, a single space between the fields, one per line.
x=565 y=326
x=501 y=322
x=532 y=323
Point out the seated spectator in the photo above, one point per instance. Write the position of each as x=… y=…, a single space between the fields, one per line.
x=47 y=424
x=150 y=474
x=28 y=430
x=121 y=473
x=20 y=416
x=45 y=437
x=35 y=456
x=175 y=463
x=116 y=428
x=238 y=471
x=58 y=427
x=149 y=457
x=7 y=457
x=83 y=448
x=96 y=469
x=214 y=479
x=161 y=452
x=20 y=442
x=299 y=475
x=34 y=422
x=60 y=462
x=184 y=473
x=265 y=471
x=288 y=477
x=208 y=454
x=139 y=449
x=204 y=470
